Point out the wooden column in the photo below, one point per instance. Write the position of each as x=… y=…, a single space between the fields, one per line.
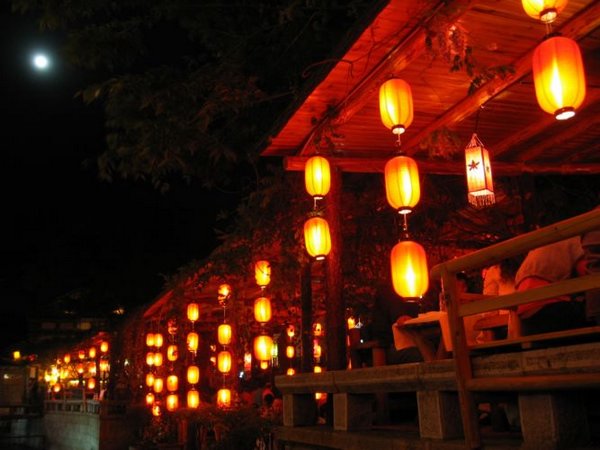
x=306 y=325
x=335 y=330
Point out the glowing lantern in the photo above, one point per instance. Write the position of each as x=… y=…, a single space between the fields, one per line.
x=317 y=177
x=16 y=355
x=317 y=329
x=192 y=341
x=91 y=384
x=223 y=292
x=67 y=358
x=262 y=273
x=264 y=365
x=92 y=352
x=158 y=340
x=149 y=398
x=150 y=358
x=247 y=361
x=172 y=352
x=193 y=374
x=319 y=395
x=291 y=371
x=558 y=76
x=224 y=334
x=172 y=383
x=213 y=360
x=479 y=174
x=56 y=388
x=172 y=402
x=193 y=312
x=291 y=331
x=410 y=275
x=317 y=238
x=149 y=379
x=290 y=351
x=224 y=398
x=402 y=187
x=544 y=10
x=224 y=362
x=81 y=354
x=317 y=369
x=193 y=399
x=262 y=347
x=158 y=385
x=158 y=359
x=396 y=105
x=104 y=346
x=351 y=322
x=104 y=366
x=262 y=309
x=150 y=339
x=317 y=351
x=80 y=368
x=156 y=410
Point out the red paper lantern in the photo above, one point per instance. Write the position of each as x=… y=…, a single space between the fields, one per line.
x=396 y=105
x=410 y=275
x=402 y=186
x=317 y=177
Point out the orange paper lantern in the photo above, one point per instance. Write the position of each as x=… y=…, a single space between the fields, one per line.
x=150 y=339
x=172 y=383
x=262 y=309
x=192 y=341
x=150 y=358
x=410 y=275
x=91 y=384
x=193 y=399
x=81 y=354
x=224 y=398
x=104 y=346
x=224 y=334
x=158 y=359
x=224 y=361
x=290 y=351
x=92 y=352
x=149 y=398
x=158 y=385
x=317 y=177
x=262 y=347
x=291 y=371
x=262 y=273
x=402 y=187
x=67 y=358
x=172 y=352
x=223 y=292
x=317 y=238
x=559 y=76
x=264 y=365
x=193 y=312
x=149 y=379
x=544 y=10
x=193 y=374
x=172 y=402
x=156 y=410
x=158 y=340
x=396 y=105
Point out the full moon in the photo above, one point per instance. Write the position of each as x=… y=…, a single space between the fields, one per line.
x=41 y=61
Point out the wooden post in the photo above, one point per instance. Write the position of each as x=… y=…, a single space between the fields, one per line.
x=335 y=330
x=306 y=325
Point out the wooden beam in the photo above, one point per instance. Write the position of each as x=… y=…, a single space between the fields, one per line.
x=396 y=60
x=528 y=132
x=376 y=165
x=576 y=28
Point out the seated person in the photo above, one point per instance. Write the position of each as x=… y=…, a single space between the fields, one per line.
x=590 y=242
x=544 y=265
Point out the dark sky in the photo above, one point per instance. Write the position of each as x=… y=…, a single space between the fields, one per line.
x=63 y=229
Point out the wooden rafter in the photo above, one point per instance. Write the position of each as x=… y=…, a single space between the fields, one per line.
x=576 y=28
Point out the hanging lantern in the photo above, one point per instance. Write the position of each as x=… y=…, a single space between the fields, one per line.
x=193 y=374
x=410 y=275
x=104 y=366
x=156 y=411
x=149 y=398
x=192 y=341
x=479 y=174
x=402 y=187
x=172 y=353
x=262 y=347
x=172 y=383
x=158 y=385
x=172 y=326
x=544 y=10
x=224 y=334
x=16 y=355
x=317 y=369
x=79 y=368
x=317 y=177
x=223 y=292
x=224 y=398
x=264 y=365
x=396 y=105
x=193 y=398
x=150 y=339
x=104 y=346
x=193 y=312
x=559 y=76
x=91 y=383
x=172 y=402
x=56 y=388
x=149 y=379
x=317 y=329
x=262 y=273
x=320 y=395
x=92 y=352
x=316 y=237
x=81 y=354
x=158 y=359
x=291 y=371
x=262 y=309
x=158 y=340
x=351 y=322
x=290 y=331
x=224 y=361
x=290 y=351
x=247 y=362
x=150 y=358
x=67 y=358
x=317 y=351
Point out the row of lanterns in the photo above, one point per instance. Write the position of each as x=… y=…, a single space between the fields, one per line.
x=263 y=343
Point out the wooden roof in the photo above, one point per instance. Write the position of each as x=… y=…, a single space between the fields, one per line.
x=341 y=115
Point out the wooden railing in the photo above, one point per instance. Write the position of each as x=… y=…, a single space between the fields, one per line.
x=466 y=381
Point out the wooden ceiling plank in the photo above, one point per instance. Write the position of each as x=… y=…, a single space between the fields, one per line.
x=576 y=28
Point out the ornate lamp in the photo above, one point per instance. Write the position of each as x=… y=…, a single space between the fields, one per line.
x=479 y=174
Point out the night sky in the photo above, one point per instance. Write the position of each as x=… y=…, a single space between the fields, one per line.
x=64 y=230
